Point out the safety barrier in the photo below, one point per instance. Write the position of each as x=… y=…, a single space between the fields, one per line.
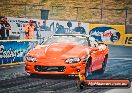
x=13 y=51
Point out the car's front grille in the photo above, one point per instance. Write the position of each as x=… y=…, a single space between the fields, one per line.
x=49 y=68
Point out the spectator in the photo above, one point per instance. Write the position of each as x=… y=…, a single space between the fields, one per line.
x=60 y=30
x=2 y=28
x=38 y=34
x=29 y=30
x=80 y=29
x=44 y=27
x=7 y=27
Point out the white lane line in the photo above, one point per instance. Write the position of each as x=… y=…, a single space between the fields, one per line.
x=3 y=67
x=121 y=58
x=11 y=66
x=8 y=67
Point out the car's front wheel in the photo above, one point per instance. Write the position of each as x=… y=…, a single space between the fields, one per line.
x=32 y=75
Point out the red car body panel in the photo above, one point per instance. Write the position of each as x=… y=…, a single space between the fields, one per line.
x=55 y=55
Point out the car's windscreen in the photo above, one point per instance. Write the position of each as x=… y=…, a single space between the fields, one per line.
x=79 y=40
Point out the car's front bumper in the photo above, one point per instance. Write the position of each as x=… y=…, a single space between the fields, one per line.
x=66 y=69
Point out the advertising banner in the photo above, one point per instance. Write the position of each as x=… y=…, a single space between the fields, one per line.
x=110 y=34
x=45 y=28
x=14 y=51
x=62 y=27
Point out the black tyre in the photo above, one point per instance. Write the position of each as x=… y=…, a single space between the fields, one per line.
x=82 y=85
x=87 y=69
x=102 y=70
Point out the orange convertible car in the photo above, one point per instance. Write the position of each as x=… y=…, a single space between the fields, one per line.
x=68 y=55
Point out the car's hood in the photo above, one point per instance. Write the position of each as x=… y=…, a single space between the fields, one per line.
x=57 y=50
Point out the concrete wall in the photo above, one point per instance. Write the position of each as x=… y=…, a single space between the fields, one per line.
x=93 y=11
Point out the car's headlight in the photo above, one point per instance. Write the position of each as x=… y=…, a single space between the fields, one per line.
x=31 y=59
x=73 y=60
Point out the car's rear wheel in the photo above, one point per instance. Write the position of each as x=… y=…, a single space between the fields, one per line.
x=87 y=69
x=102 y=70
x=86 y=72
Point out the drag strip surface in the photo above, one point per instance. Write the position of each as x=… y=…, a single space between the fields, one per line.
x=14 y=79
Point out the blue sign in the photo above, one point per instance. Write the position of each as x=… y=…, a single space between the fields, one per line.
x=14 y=51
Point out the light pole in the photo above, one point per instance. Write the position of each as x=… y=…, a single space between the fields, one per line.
x=126 y=10
x=25 y=9
x=102 y=2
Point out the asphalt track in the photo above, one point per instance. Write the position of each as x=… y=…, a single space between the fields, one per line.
x=14 y=79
